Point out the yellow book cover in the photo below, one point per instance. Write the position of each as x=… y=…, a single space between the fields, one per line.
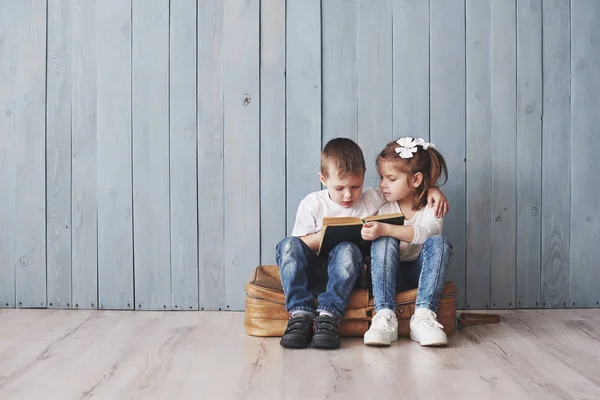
x=347 y=229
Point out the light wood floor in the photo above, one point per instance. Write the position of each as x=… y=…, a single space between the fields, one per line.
x=45 y=354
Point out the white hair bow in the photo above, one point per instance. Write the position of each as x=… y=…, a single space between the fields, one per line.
x=408 y=146
x=424 y=144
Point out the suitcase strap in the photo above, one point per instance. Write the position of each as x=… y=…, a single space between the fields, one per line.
x=470 y=319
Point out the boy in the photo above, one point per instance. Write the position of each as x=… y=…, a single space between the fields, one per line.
x=342 y=172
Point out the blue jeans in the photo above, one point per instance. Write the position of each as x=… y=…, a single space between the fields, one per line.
x=299 y=268
x=427 y=273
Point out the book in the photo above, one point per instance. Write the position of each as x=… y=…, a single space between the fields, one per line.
x=347 y=229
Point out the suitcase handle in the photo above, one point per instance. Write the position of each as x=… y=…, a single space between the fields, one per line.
x=470 y=319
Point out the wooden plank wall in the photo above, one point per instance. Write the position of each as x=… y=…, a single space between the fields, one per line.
x=209 y=118
x=478 y=153
x=183 y=147
x=375 y=72
x=556 y=176
x=23 y=147
x=585 y=143
x=447 y=118
x=153 y=152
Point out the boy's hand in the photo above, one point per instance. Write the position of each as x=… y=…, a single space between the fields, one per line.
x=312 y=240
x=372 y=230
x=437 y=200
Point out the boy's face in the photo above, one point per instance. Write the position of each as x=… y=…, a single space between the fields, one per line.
x=344 y=191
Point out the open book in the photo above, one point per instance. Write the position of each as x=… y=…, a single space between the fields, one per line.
x=347 y=229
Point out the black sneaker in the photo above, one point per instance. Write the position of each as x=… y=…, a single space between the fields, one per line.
x=299 y=331
x=326 y=333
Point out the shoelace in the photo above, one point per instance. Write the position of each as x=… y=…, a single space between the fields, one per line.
x=386 y=322
x=429 y=321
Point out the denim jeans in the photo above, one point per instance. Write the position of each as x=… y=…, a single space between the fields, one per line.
x=300 y=267
x=427 y=273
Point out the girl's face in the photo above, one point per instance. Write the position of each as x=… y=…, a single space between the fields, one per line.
x=395 y=185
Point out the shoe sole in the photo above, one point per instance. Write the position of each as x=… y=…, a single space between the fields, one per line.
x=293 y=345
x=375 y=342
x=324 y=345
x=428 y=343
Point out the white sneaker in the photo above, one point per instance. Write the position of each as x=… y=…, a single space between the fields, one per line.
x=425 y=329
x=383 y=330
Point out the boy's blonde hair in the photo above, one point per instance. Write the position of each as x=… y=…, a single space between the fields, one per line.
x=345 y=156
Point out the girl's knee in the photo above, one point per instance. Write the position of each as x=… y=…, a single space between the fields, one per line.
x=439 y=242
x=385 y=241
x=384 y=244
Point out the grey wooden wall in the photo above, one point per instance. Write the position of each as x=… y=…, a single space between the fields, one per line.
x=153 y=152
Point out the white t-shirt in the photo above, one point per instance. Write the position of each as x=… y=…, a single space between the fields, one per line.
x=425 y=224
x=315 y=206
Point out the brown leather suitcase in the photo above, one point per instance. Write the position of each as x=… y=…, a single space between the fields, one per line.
x=266 y=314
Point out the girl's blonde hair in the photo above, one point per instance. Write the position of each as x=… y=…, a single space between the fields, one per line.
x=429 y=162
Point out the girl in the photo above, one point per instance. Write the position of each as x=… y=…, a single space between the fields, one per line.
x=411 y=255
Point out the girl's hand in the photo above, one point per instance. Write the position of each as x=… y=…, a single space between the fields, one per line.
x=437 y=200
x=372 y=230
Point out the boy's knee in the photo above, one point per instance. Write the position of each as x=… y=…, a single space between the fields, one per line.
x=349 y=259
x=289 y=249
x=347 y=249
x=288 y=244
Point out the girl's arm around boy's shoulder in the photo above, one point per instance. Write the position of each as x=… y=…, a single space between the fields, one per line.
x=437 y=201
